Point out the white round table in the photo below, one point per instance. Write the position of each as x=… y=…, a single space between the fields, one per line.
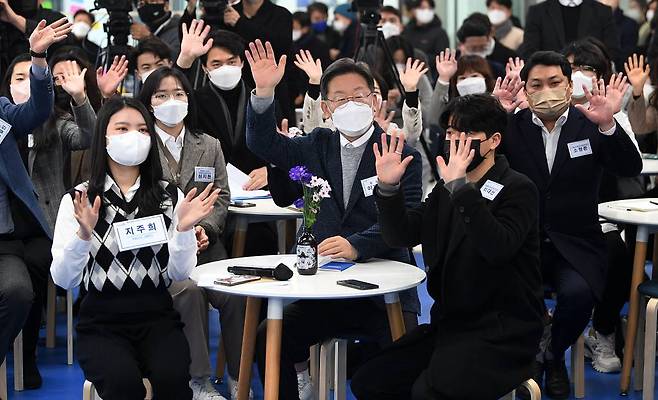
x=633 y=212
x=264 y=211
x=391 y=276
x=649 y=166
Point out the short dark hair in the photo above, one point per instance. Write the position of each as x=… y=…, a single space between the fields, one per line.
x=585 y=52
x=151 y=45
x=546 y=58
x=152 y=84
x=229 y=41
x=341 y=67
x=85 y=12
x=475 y=113
x=317 y=6
x=505 y=3
x=399 y=42
x=391 y=10
x=411 y=4
x=477 y=24
x=302 y=18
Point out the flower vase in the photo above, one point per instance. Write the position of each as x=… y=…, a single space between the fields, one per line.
x=307 y=253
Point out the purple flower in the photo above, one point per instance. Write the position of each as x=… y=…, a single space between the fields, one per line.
x=306 y=177
x=299 y=203
x=297 y=173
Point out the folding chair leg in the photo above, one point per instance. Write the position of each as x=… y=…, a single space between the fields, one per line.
x=314 y=369
x=326 y=350
x=69 y=327
x=51 y=310
x=533 y=388
x=638 y=356
x=578 y=367
x=18 y=362
x=650 y=350
x=88 y=391
x=3 y=380
x=340 y=370
x=221 y=360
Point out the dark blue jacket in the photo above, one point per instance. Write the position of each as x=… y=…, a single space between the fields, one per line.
x=320 y=153
x=23 y=118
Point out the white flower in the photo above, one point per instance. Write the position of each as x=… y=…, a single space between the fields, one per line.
x=316 y=196
x=315 y=181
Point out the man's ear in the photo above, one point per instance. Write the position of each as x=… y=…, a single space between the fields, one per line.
x=326 y=112
x=496 y=139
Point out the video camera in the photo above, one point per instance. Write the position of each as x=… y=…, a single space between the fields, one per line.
x=368 y=10
x=117 y=27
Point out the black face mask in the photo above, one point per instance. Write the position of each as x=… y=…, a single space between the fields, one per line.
x=62 y=98
x=151 y=14
x=475 y=145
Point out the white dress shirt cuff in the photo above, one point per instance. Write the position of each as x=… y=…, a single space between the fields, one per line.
x=610 y=131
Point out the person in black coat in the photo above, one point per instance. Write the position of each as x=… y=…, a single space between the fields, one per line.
x=480 y=241
x=476 y=37
x=564 y=151
x=551 y=25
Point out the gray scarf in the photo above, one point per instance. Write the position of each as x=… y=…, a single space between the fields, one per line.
x=503 y=29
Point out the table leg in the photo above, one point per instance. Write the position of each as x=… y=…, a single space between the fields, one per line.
x=394 y=312
x=239 y=237
x=634 y=305
x=654 y=269
x=248 y=346
x=273 y=350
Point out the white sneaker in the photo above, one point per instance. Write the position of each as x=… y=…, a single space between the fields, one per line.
x=304 y=385
x=602 y=351
x=233 y=388
x=202 y=389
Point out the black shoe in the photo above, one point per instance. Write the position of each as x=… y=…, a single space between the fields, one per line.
x=557 y=381
x=537 y=376
x=31 y=376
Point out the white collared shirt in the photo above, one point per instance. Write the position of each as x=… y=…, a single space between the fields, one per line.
x=173 y=144
x=551 y=138
x=358 y=142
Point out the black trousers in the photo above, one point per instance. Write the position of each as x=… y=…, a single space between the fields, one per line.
x=115 y=352
x=308 y=322
x=575 y=299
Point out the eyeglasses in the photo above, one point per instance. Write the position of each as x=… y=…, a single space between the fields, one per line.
x=583 y=68
x=161 y=97
x=359 y=98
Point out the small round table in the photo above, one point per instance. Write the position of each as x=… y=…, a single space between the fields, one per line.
x=626 y=212
x=649 y=166
x=391 y=276
x=264 y=211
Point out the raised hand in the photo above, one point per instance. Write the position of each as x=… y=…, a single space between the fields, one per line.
x=266 y=71
x=637 y=72
x=514 y=67
x=461 y=156
x=73 y=81
x=602 y=106
x=193 y=209
x=86 y=215
x=507 y=92
x=615 y=91
x=409 y=78
x=43 y=36
x=313 y=69
x=192 y=46
x=389 y=163
x=446 y=65
x=109 y=81
x=383 y=117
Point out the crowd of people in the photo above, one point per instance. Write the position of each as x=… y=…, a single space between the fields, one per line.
x=493 y=155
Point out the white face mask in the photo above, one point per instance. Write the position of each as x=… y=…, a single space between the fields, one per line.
x=296 y=35
x=80 y=29
x=146 y=74
x=390 y=29
x=634 y=14
x=171 y=112
x=424 y=15
x=497 y=17
x=472 y=85
x=650 y=14
x=571 y=3
x=353 y=119
x=226 y=77
x=340 y=26
x=579 y=79
x=20 y=92
x=129 y=149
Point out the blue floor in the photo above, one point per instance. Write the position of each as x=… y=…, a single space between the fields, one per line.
x=63 y=382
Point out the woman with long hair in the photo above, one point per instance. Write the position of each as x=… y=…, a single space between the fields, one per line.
x=127 y=328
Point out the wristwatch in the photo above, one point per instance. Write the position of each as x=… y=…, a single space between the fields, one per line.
x=37 y=55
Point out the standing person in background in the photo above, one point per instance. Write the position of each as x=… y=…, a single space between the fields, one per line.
x=500 y=16
x=83 y=21
x=149 y=55
x=157 y=20
x=637 y=10
x=319 y=14
x=424 y=30
x=305 y=39
x=476 y=37
x=628 y=32
x=554 y=23
x=346 y=23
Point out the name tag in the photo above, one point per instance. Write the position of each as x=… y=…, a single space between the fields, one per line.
x=141 y=232
x=5 y=127
x=204 y=174
x=490 y=189
x=30 y=141
x=368 y=185
x=580 y=148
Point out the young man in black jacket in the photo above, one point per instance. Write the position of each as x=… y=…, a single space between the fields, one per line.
x=480 y=243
